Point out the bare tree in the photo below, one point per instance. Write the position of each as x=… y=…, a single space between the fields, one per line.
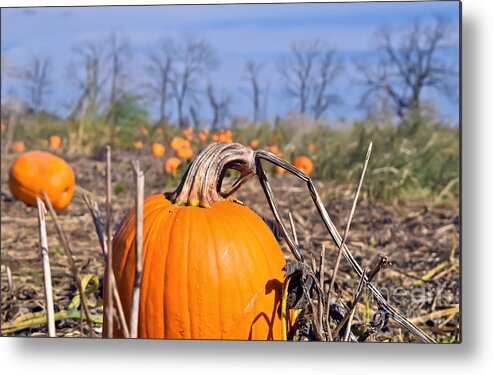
x=327 y=67
x=297 y=71
x=408 y=62
x=252 y=76
x=159 y=70
x=308 y=73
x=88 y=75
x=194 y=57
x=220 y=105
x=37 y=79
x=118 y=57
x=194 y=114
x=5 y=70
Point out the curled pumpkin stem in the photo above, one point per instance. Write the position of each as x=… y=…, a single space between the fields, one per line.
x=201 y=184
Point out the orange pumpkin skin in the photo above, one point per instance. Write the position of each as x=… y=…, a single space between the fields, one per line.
x=55 y=142
x=208 y=273
x=254 y=143
x=203 y=136
x=184 y=153
x=143 y=130
x=178 y=143
x=18 y=146
x=172 y=164
x=158 y=149
x=279 y=170
x=34 y=171
x=304 y=164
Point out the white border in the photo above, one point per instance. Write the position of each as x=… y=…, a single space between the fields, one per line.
x=474 y=355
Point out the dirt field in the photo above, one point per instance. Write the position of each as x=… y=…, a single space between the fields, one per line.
x=421 y=239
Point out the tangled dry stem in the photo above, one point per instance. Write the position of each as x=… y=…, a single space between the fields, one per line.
x=209 y=168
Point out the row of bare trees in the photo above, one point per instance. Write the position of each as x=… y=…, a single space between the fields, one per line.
x=176 y=76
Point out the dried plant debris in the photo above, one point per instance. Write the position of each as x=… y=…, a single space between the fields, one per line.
x=421 y=239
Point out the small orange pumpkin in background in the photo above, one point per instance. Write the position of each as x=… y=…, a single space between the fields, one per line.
x=274 y=149
x=188 y=133
x=184 y=153
x=158 y=149
x=138 y=145
x=279 y=170
x=311 y=146
x=3 y=126
x=35 y=171
x=159 y=131
x=304 y=164
x=143 y=130
x=179 y=142
x=253 y=143
x=203 y=135
x=55 y=142
x=172 y=164
x=223 y=136
x=212 y=269
x=18 y=146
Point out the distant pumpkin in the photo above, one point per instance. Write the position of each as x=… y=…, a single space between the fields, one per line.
x=179 y=142
x=304 y=164
x=184 y=153
x=55 y=142
x=172 y=164
x=311 y=146
x=279 y=170
x=138 y=145
x=188 y=133
x=143 y=130
x=18 y=146
x=223 y=136
x=274 y=149
x=158 y=149
x=35 y=171
x=253 y=143
x=203 y=136
x=3 y=126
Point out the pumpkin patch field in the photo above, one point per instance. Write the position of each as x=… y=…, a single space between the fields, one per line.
x=245 y=244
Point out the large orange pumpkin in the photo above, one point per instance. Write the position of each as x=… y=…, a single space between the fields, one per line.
x=212 y=269
x=304 y=164
x=35 y=171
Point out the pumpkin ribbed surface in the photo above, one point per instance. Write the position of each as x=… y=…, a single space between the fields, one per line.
x=208 y=273
x=34 y=171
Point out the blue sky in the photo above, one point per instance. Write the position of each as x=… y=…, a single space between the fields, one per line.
x=238 y=33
